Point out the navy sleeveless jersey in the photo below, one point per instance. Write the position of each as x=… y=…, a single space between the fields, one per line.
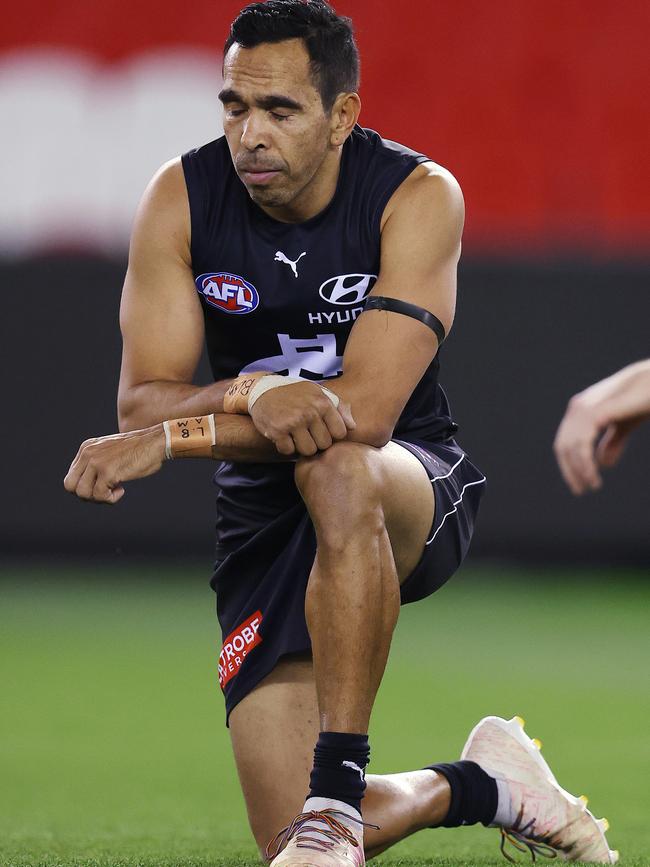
x=283 y=297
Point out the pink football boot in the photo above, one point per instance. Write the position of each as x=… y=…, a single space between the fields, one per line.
x=327 y=838
x=546 y=819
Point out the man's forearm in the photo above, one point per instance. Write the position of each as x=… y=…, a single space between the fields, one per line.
x=624 y=395
x=237 y=439
x=151 y=403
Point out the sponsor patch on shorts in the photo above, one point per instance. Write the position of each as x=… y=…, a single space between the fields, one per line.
x=237 y=646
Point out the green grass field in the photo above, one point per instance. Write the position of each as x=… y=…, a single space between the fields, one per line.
x=112 y=744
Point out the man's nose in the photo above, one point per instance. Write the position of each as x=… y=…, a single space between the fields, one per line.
x=255 y=132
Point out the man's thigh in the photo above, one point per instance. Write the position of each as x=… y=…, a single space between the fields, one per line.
x=409 y=505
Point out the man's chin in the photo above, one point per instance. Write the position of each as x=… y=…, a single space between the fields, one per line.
x=268 y=198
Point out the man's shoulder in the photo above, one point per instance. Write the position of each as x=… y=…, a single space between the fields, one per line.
x=418 y=183
x=173 y=176
x=429 y=196
x=213 y=155
x=368 y=141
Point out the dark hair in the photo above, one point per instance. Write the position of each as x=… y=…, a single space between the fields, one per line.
x=328 y=38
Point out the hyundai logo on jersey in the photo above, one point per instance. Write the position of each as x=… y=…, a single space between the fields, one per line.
x=228 y=292
x=347 y=288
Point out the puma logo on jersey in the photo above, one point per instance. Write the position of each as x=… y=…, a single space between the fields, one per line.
x=280 y=257
x=354 y=767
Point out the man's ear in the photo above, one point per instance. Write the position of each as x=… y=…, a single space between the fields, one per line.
x=345 y=114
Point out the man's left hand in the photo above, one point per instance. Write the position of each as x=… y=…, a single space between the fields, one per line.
x=102 y=464
x=301 y=418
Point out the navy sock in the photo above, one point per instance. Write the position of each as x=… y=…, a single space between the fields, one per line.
x=340 y=760
x=474 y=794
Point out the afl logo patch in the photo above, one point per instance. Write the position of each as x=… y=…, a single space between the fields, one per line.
x=347 y=288
x=228 y=292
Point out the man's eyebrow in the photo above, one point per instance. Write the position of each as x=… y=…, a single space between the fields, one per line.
x=229 y=95
x=273 y=100
x=278 y=100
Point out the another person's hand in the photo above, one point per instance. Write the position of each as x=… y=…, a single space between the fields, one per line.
x=579 y=451
x=301 y=418
x=597 y=424
x=102 y=464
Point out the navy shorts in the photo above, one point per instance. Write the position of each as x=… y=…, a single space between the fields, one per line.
x=267 y=548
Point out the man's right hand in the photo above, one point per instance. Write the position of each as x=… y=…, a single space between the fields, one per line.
x=300 y=418
x=102 y=464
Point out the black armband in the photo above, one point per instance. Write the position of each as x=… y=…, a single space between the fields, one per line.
x=392 y=305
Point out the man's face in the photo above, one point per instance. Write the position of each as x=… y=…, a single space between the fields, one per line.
x=274 y=121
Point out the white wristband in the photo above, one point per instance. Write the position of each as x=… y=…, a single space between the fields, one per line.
x=168 y=441
x=266 y=383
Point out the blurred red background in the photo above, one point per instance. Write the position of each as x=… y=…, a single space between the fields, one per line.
x=538 y=106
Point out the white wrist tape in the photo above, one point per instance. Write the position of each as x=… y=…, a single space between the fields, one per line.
x=168 y=441
x=266 y=383
x=333 y=397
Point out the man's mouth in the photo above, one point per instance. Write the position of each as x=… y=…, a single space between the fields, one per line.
x=257 y=176
x=251 y=173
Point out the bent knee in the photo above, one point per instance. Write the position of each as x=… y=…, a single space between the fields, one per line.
x=344 y=468
x=342 y=488
x=341 y=462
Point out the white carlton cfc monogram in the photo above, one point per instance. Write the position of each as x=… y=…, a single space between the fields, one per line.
x=299 y=357
x=280 y=257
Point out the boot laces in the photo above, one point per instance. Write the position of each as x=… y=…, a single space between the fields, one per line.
x=333 y=831
x=524 y=839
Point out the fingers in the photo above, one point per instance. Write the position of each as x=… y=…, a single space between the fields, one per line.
x=577 y=464
x=582 y=469
x=86 y=484
x=320 y=434
x=103 y=463
x=574 y=451
x=610 y=447
x=346 y=413
x=285 y=445
x=90 y=482
x=335 y=423
x=304 y=442
x=612 y=443
x=107 y=491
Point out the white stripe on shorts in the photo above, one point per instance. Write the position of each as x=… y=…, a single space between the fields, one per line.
x=456 y=504
x=426 y=457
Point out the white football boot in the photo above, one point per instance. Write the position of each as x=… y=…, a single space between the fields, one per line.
x=324 y=838
x=546 y=820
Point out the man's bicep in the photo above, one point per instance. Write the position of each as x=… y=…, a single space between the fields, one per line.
x=160 y=314
x=387 y=352
x=162 y=327
x=421 y=243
